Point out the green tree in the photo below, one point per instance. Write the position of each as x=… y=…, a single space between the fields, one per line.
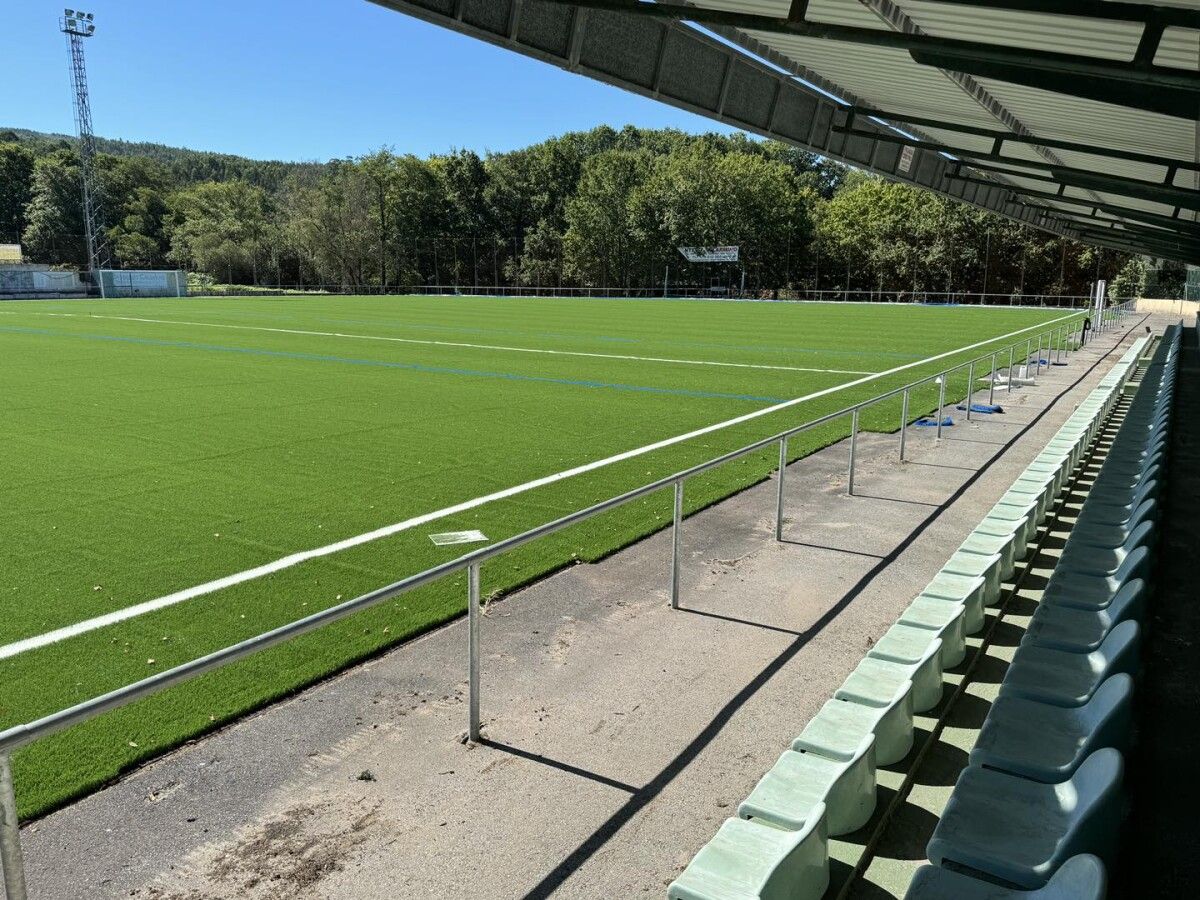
x=223 y=229
x=54 y=231
x=16 y=189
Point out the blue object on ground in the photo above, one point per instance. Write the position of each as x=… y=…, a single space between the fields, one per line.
x=932 y=423
x=986 y=408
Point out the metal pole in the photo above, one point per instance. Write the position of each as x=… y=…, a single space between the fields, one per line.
x=10 y=835
x=992 y=384
x=473 y=650
x=970 y=387
x=1011 y=354
x=941 y=402
x=903 y=423
x=853 y=446
x=779 y=496
x=676 y=542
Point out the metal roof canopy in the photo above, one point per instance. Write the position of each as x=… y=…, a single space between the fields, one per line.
x=1081 y=117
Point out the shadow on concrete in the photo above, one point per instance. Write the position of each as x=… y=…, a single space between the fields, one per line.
x=560 y=765
x=737 y=621
x=831 y=549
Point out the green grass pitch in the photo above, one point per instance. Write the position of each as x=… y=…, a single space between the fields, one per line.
x=153 y=445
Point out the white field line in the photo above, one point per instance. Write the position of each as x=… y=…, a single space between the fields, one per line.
x=462 y=345
x=294 y=559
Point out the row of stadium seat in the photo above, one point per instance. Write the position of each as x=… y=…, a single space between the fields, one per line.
x=825 y=784
x=1038 y=810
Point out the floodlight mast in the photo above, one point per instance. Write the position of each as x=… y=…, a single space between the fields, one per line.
x=77 y=25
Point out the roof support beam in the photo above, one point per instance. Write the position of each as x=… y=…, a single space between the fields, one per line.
x=1154 y=192
x=1136 y=83
x=1002 y=137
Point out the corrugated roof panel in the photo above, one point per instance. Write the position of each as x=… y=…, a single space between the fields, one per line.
x=1089 y=121
x=885 y=78
x=1180 y=49
x=1035 y=31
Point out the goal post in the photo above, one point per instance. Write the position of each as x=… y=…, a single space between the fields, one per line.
x=142 y=283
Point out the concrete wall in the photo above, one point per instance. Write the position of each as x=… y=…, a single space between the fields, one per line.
x=1169 y=307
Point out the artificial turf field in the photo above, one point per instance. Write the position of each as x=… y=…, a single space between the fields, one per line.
x=154 y=445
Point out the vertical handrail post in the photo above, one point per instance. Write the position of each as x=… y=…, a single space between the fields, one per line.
x=676 y=543
x=970 y=387
x=992 y=383
x=10 y=835
x=941 y=401
x=1011 y=355
x=903 y=423
x=473 y=613
x=853 y=447
x=783 y=454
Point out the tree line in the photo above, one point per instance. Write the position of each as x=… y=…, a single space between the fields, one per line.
x=604 y=208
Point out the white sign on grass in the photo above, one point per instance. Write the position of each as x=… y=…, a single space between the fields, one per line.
x=710 y=254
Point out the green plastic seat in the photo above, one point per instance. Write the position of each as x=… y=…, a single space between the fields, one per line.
x=1084 y=630
x=1048 y=743
x=1096 y=591
x=840 y=726
x=1113 y=535
x=961 y=589
x=984 y=544
x=890 y=672
x=754 y=861
x=1012 y=532
x=1070 y=679
x=1081 y=877
x=945 y=619
x=1088 y=559
x=804 y=780
x=976 y=566
x=1022 y=831
x=921 y=650
x=889 y=696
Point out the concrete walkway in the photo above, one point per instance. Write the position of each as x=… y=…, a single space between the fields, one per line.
x=620 y=733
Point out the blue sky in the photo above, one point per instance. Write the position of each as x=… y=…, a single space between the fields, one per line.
x=298 y=81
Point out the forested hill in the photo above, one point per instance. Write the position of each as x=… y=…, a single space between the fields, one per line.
x=187 y=165
x=602 y=208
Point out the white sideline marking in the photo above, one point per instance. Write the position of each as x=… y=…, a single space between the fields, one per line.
x=286 y=562
x=462 y=345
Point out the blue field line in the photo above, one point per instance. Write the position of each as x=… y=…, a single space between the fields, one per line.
x=412 y=367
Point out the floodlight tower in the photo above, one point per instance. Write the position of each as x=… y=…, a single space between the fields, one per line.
x=77 y=25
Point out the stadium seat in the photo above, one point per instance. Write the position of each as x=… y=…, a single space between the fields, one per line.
x=960 y=589
x=840 y=726
x=752 y=861
x=1081 y=877
x=945 y=620
x=1047 y=743
x=1096 y=591
x=802 y=781
x=975 y=566
x=1098 y=534
x=1070 y=679
x=1084 y=630
x=1088 y=559
x=889 y=695
x=1022 y=831
x=919 y=648
x=927 y=692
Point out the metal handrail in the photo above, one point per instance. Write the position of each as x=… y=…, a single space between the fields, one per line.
x=20 y=735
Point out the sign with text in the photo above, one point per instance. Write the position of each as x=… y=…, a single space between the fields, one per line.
x=710 y=254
